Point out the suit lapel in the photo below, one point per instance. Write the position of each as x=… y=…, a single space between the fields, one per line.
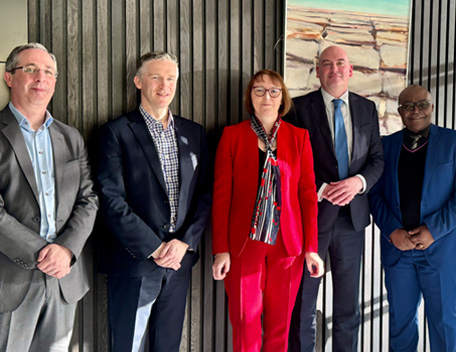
x=188 y=162
x=356 y=117
x=13 y=133
x=433 y=149
x=142 y=134
x=395 y=153
x=59 y=151
x=321 y=119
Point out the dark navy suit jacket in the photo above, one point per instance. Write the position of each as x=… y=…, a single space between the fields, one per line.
x=133 y=196
x=366 y=159
x=438 y=199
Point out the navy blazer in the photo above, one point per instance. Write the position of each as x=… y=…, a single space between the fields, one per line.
x=133 y=196
x=438 y=198
x=367 y=157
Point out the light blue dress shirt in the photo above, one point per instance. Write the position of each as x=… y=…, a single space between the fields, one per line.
x=39 y=146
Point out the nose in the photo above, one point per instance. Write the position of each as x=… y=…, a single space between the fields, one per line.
x=415 y=109
x=39 y=74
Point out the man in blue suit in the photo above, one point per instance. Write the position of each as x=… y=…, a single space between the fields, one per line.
x=414 y=205
x=344 y=173
x=155 y=201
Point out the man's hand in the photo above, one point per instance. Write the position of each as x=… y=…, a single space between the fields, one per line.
x=401 y=239
x=171 y=254
x=314 y=264
x=54 y=260
x=342 y=192
x=421 y=237
x=221 y=266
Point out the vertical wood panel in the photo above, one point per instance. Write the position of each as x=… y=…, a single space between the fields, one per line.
x=59 y=43
x=131 y=46
x=219 y=44
x=102 y=92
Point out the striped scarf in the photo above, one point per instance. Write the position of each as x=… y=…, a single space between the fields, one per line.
x=266 y=218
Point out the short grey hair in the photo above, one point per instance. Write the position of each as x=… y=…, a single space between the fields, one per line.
x=13 y=57
x=155 y=55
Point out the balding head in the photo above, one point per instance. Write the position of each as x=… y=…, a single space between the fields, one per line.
x=334 y=70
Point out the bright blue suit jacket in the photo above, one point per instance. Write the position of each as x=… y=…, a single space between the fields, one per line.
x=438 y=199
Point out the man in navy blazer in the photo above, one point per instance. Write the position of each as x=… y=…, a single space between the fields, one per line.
x=414 y=205
x=155 y=201
x=343 y=210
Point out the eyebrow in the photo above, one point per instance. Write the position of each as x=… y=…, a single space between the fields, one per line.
x=34 y=64
x=337 y=60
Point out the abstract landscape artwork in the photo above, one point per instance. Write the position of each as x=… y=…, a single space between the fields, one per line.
x=374 y=33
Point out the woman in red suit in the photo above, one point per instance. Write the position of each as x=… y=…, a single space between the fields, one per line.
x=264 y=217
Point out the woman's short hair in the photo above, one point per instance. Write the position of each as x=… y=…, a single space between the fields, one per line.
x=286 y=103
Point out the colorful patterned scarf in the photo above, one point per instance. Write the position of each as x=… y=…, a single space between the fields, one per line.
x=266 y=218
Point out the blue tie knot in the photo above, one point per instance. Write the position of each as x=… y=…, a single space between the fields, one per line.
x=337 y=103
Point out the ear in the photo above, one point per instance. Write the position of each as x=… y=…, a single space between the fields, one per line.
x=318 y=71
x=350 y=73
x=137 y=81
x=8 y=77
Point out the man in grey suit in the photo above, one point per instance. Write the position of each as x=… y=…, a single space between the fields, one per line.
x=47 y=210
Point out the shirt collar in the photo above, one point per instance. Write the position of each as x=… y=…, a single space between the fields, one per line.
x=24 y=123
x=154 y=123
x=423 y=133
x=328 y=98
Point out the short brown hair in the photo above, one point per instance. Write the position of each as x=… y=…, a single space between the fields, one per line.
x=286 y=103
x=155 y=55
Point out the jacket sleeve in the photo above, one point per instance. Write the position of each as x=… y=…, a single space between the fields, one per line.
x=132 y=232
x=308 y=197
x=79 y=225
x=199 y=212
x=373 y=167
x=223 y=175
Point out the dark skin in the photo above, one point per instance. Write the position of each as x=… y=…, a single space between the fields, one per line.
x=415 y=121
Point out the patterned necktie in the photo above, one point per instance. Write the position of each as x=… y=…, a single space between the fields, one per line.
x=340 y=137
x=415 y=139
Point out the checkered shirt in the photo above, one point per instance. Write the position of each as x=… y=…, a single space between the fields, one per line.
x=166 y=144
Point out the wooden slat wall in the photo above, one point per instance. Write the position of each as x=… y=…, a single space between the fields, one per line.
x=220 y=44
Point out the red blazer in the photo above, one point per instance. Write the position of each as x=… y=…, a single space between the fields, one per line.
x=236 y=186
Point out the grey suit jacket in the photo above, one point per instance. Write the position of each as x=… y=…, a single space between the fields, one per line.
x=76 y=205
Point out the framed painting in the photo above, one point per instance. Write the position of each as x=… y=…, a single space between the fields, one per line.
x=375 y=35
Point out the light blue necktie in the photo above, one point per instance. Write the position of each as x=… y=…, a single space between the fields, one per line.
x=340 y=137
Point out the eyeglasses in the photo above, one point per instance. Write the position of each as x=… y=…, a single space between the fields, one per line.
x=33 y=70
x=421 y=105
x=273 y=92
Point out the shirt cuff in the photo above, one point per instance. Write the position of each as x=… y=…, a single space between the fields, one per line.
x=363 y=180
x=320 y=191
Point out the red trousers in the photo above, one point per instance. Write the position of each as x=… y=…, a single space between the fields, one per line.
x=263 y=280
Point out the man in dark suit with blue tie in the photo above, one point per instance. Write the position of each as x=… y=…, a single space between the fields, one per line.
x=155 y=201
x=348 y=161
x=414 y=205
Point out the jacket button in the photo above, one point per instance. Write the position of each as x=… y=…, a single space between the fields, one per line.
x=36 y=219
x=166 y=226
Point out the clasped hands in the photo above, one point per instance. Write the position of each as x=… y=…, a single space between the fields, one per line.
x=342 y=192
x=55 y=260
x=418 y=238
x=170 y=254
